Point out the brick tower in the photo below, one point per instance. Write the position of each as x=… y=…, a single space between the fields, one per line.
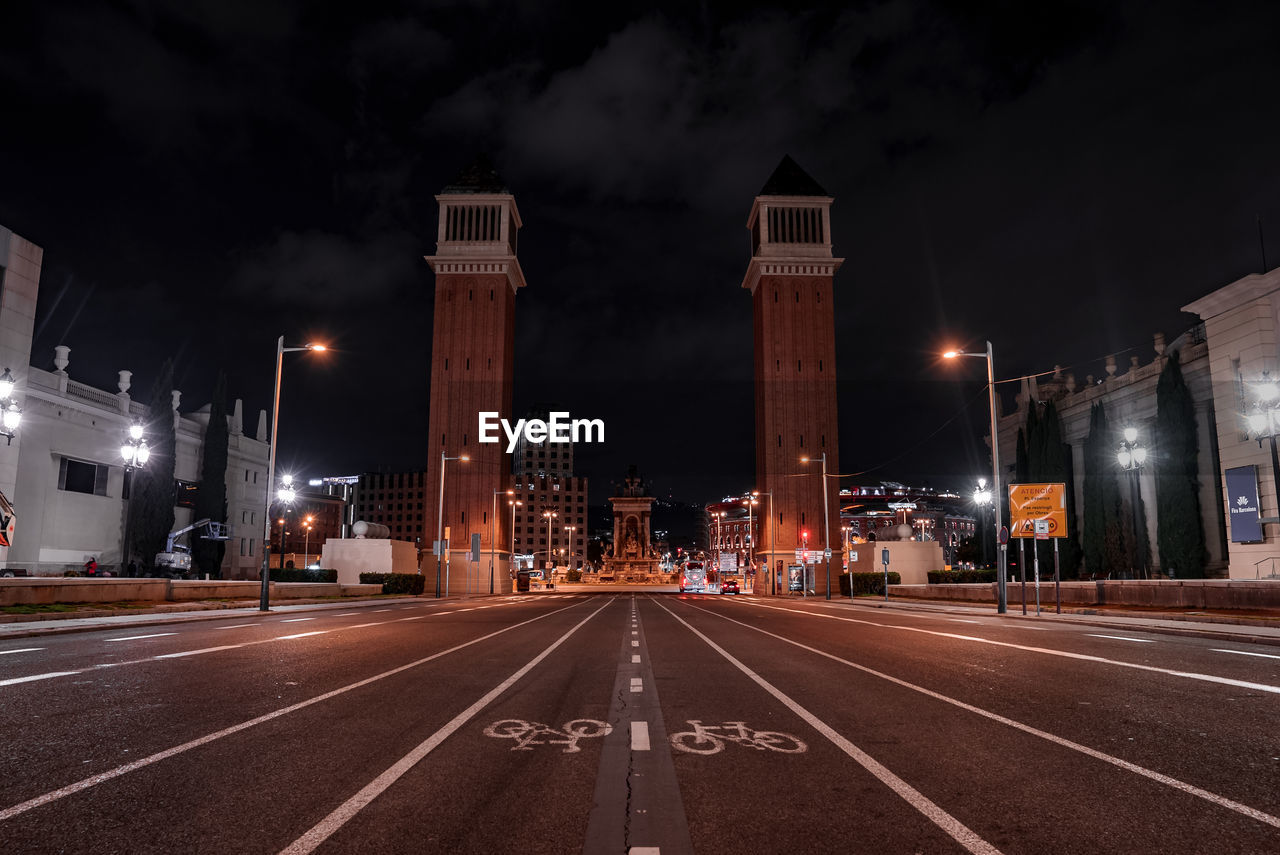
x=790 y=277
x=473 y=337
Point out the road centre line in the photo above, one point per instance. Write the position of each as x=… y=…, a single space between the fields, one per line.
x=1066 y=654
x=296 y=619
x=1121 y=638
x=957 y=830
x=139 y=637
x=238 y=626
x=1241 y=653
x=640 y=736
x=197 y=652
x=302 y=635
x=325 y=829
x=14 y=681
x=1190 y=789
x=102 y=777
x=21 y=650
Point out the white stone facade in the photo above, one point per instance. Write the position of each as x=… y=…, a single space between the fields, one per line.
x=69 y=427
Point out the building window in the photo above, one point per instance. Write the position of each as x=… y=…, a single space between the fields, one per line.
x=79 y=476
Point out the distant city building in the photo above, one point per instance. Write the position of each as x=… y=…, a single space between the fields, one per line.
x=541 y=458
x=63 y=472
x=563 y=496
x=397 y=500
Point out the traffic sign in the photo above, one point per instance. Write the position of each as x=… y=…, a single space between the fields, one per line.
x=826 y=554
x=1042 y=529
x=1031 y=502
x=1004 y=534
x=884 y=555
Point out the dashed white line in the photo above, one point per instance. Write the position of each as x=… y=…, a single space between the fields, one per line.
x=635 y=644
x=644 y=850
x=1122 y=638
x=637 y=684
x=21 y=650
x=296 y=619
x=138 y=637
x=635 y=658
x=14 y=681
x=963 y=620
x=1241 y=653
x=302 y=635
x=197 y=652
x=639 y=736
x=236 y=626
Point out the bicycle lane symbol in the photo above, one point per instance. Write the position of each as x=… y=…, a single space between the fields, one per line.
x=530 y=733
x=711 y=739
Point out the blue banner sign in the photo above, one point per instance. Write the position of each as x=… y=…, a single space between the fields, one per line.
x=1242 y=500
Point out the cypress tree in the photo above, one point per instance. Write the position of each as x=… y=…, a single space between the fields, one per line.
x=1095 y=446
x=154 y=485
x=1179 y=526
x=1115 y=534
x=211 y=498
x=1057 y=468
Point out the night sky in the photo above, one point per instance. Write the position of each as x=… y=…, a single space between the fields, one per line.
x=207 y=175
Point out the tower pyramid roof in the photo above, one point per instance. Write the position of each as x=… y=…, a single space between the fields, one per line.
x=790 y=180
x=479 y=177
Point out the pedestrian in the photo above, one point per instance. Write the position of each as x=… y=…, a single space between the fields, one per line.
x=91 y=566
x=133 y=568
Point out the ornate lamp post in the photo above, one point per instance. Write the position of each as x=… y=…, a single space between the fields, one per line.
x=570 y=529
x=306 y=540
x=281 y=350
x=514 y=503
x=1264 y=422
x=772 y=541
x=135 y=452
x=285 y=496
x=1131 y=456
x=10 y=412
x=1002 y=605
x=982 y=497
x=549 y=516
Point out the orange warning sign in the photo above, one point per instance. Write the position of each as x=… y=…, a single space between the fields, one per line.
x=1031 y=502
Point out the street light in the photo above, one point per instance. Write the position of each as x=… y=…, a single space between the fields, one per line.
x=773 y=521
x=751 y=564
x=514 y=503
x=549 y=516
x=1131 y=456
x=492 y=543
x=570 y=529
x=983 y=497
x=285 y=496
x=826 y=523
x=440 y=516
x=135 y=453
x=306 y=541
x=718 y=515
x=1002 y=605
x=1264 y=421
x=281 y=350
x=10 y=412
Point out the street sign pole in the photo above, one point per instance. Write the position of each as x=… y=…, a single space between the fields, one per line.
x=1002 y=571
x=1022 y=570
x=884 y=559
x=1036 y=548
x=1057 y=590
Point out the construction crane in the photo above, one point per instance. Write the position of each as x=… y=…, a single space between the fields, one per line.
x=176 y=558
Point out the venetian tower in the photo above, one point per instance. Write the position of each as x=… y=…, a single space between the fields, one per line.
x=473 y=338
x=790 y=277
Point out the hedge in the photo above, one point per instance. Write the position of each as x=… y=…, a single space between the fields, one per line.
x=303 y=574
x=867 y=583
x=956 y=577
x=396 y=583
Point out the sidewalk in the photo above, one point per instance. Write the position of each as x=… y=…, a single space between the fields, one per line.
x=1261 y=627
x=158 y=614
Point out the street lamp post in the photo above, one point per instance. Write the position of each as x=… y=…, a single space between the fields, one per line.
x=135 y=452
x=1264 y=421
x=306 y=540
x=285 y=496
x=281 y=350
x=10 y=412
x=492 y=519
x=514 y=503
x=826 y=525
x=549 y=516
x=440 y=516
x=982 y=497
x=1131 y=456
x=773 y=582
x=1002 y=605
x=570 y=529
x=751 y=564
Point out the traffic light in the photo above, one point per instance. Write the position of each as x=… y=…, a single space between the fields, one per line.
x=805 y=535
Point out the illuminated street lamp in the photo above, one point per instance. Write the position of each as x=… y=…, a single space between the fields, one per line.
x=10 y=412
x=772 y=541
x=1002 y=605
x=135 y=453
x=285 y=496
x=1264 y=421
x=492 y=520
x=1131 y=456
x=514 y=503
x=440 y=516
x=983 y=497
x=281 y=350
x=306 y=540
x=826 y=523
x=570 y=529
x=549 y=516
x=718 y=515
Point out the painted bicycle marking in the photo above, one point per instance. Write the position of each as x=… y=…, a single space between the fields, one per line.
x=711 y=739
x=530 y=733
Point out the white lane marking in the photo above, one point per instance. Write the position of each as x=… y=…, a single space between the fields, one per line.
x=301 y=635
x=324 y=829
x=197 y=652
x=1224 y=650
x=644 y=850
x=635 y=658
x=963 y=620
x=14 y=681
x=637 y=684
x=1083 y=657
x=415 y=617
x=236 y=626
x=375 y=611
x=635 y=644
x=347 y=614
x=1191 y=789
x=639 y=736
x=21 y=650
x=958 y=831
x=296 y=619
x=363 y=625
x=1121 y=638
x=138 y=637
x=86 y=783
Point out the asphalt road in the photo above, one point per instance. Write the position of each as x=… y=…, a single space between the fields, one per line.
x=640 y=723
